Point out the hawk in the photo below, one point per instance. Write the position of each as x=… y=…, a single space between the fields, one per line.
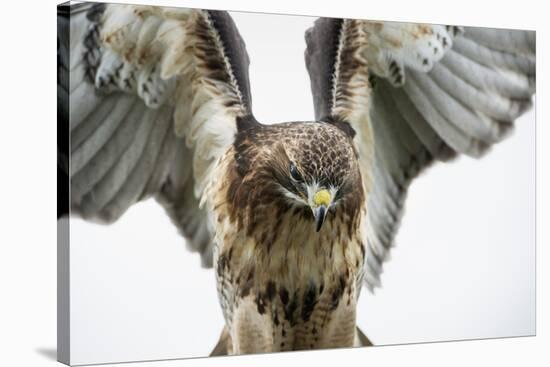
x=294 y=217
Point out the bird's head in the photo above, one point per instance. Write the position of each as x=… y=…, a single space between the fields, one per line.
x=315 y=168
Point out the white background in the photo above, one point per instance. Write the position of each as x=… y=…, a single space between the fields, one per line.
x=28 y=243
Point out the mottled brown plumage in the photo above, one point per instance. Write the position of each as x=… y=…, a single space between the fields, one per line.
x=283 y=285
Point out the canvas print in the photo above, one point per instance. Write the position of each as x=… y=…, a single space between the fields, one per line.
x=193 y=222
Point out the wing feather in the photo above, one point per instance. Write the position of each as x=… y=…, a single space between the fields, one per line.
x=421 y=128
x=129 y=188
x=96 y=200
x=155 y=94
x=485 y=78
x=163 y=164
x=520 y=63
x=116 y=129
x=492 y=105
x=472 y=125
x=451 y=134
x=88 y=101
x=83 y=132
x=94 y=160
x=507 y=40
x=433 y=92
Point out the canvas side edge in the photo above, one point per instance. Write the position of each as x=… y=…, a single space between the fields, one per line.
x=63 y=192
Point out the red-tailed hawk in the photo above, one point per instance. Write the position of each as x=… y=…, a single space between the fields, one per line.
x=294 y=217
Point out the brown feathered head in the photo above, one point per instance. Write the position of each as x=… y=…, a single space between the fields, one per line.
x=310 y=168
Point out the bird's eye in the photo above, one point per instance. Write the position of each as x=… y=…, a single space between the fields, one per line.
x=294 y=173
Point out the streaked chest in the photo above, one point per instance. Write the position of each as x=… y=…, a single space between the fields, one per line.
x=282 y=282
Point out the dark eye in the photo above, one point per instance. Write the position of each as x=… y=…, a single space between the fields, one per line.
x=294 y=173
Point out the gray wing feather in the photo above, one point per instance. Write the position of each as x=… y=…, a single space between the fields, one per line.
x=88 y=101
x=453 y=136
x=120 y=173
x=470 y=93
x=132 y=186
x=93 y=160
x=84 y=131
x=475 y=52
x=507 y=40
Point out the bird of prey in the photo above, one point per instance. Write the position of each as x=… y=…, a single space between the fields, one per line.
x=294 y=217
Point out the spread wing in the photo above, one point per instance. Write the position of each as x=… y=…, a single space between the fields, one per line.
x=415 y=94
x=153 y=97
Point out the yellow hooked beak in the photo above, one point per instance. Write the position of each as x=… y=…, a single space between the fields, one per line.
x=321 y=201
